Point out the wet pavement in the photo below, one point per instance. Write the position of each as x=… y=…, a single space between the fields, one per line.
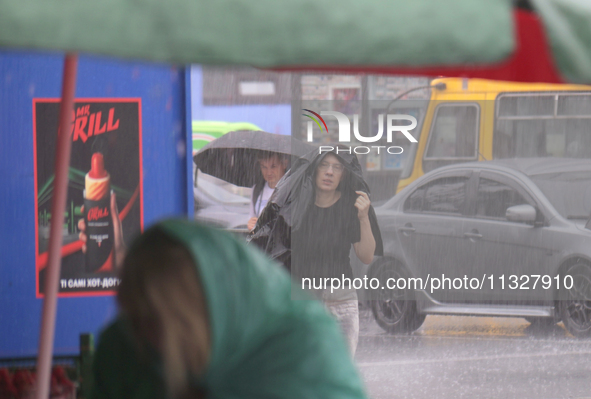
x=473 y=357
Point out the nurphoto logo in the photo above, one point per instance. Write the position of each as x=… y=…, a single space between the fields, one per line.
x=345 y=131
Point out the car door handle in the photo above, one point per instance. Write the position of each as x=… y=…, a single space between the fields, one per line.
x=407 y=229
x=472 y=235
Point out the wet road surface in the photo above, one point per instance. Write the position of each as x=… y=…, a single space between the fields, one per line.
x=473 y=357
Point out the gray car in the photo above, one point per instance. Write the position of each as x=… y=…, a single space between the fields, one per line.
x=499 y=238
x=217 y=205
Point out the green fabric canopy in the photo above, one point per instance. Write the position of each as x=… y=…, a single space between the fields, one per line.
x=266 y=33
x=568 y=24
x=264 y=343
x=274 y=33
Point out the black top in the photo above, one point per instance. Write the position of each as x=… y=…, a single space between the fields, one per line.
x=320 y=247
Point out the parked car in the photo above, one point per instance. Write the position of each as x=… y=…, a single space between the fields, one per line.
x=494 y=229
x=221 y=204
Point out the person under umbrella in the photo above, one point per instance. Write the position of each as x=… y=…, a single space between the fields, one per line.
x=318 y=212
x=237 y=157
x=273 y=166
x=234 y=157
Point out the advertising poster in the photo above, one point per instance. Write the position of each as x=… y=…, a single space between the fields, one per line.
x=347 y=100
x=105 y=201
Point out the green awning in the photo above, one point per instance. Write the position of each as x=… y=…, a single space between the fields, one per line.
x=266 y=33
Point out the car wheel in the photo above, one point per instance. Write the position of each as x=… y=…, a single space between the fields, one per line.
x=394 y=310
x=576 y=306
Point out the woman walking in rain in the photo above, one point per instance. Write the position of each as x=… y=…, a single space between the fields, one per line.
x=273 y=166
x=322 y=210
x=202 y=315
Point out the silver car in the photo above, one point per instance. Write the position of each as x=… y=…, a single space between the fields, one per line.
x=499 y=238
x=221 y=204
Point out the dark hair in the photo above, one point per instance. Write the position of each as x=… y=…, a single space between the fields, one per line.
x=161 y=295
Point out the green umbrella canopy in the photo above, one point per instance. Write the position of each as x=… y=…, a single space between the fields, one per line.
x=477 y=38
x=266 y=33
x=568 y=25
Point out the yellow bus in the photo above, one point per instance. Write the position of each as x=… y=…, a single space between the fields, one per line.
x=474 y=119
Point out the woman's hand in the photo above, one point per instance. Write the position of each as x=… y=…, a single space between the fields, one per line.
x=362 y=204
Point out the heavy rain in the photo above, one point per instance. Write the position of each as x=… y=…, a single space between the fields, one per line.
x=483 y=223
x=295 y=209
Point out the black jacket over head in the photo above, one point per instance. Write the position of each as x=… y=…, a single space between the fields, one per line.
x=295 y=194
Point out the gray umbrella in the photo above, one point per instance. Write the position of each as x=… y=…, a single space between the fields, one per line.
x=233 y=157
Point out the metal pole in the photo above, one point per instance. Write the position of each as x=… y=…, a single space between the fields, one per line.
x=58 y=205
x=438 y=86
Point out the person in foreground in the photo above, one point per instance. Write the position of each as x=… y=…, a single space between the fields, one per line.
x=203 y=315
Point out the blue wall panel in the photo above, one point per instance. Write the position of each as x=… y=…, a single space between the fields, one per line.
x=24 y=76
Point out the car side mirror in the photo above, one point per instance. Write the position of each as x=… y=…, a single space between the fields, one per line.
x=524 y=213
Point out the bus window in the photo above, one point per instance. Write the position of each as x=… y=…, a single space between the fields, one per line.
x=555 y=125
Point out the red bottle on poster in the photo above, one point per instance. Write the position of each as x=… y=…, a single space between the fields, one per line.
x=99 y=225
